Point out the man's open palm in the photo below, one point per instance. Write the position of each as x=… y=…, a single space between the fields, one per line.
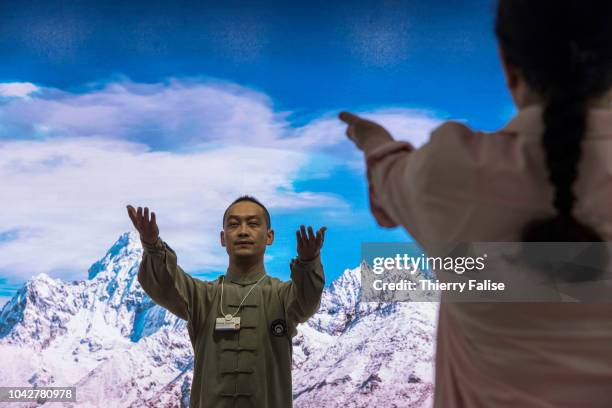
x=146 y=227
x=308 y=244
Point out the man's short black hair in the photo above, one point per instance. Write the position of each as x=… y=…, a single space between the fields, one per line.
x=253 y=200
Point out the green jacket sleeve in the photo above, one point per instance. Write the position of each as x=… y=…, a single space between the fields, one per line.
x=168 y=285
x=302 y=294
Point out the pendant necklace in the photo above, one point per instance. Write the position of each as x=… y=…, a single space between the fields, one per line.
x=230 y=321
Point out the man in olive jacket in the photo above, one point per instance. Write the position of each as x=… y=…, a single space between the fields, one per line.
x=241 y=324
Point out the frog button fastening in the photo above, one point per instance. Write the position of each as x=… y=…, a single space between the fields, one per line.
x=278 y=327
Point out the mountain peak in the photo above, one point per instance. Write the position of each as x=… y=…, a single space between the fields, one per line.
x=111 y=300
x=127 y=246
x=110 y=336
x=42 y=277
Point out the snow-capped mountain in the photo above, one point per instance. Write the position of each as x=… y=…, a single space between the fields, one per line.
x=105 y=336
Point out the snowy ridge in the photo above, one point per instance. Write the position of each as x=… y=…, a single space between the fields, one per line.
x=105 y=336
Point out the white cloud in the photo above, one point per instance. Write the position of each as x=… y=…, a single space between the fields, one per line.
x=328 y=134
x=413 y=125
x=183 y=148
x=185 y=113
x=67 y=198
x=17 y=89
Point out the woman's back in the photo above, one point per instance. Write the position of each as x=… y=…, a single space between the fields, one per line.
x=466 y=186
x=477 y=186
x=545 y=177
x=524 y=355
x=517 y=354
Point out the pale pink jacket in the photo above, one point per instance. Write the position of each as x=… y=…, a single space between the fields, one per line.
x=465 y=185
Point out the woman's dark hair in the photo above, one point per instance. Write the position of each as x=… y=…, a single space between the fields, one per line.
x=563 y=51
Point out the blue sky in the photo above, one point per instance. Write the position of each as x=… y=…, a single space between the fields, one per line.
x=185 y=106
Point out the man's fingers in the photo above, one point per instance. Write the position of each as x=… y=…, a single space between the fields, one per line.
x=299 y=238
x=146 y=215
x=320 y=236
x=131 y=214
x=153 y=219
x=303 y=234
x=322 y=233
x=311 y=236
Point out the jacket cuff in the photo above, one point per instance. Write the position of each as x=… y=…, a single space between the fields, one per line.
x=156 y=248
x=385 y=149
x=310 y=264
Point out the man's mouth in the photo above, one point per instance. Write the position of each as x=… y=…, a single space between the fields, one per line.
x=244 y=243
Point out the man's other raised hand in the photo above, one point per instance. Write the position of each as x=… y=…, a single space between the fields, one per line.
x=147 y=228
x=308 y=244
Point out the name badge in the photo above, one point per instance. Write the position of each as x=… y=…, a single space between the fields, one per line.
x=227 y=323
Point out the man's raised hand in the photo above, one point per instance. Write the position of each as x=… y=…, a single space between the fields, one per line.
x=147 y=228
x=308 y=244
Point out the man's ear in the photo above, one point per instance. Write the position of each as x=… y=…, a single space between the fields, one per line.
x=270 y=237
x=222 y=239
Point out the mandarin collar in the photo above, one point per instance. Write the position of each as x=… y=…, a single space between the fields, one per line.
x=241 y=279
x=528 y=121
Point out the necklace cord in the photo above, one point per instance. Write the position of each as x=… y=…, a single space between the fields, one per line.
x=243 y=299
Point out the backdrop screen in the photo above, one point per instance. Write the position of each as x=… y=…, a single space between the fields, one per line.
x=183 y=107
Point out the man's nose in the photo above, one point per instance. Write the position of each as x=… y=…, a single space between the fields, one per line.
x=242 y=231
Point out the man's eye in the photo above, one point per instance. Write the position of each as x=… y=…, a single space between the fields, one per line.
x=254 y=224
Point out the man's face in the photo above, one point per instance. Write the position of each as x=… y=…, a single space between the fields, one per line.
x=245 y=232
